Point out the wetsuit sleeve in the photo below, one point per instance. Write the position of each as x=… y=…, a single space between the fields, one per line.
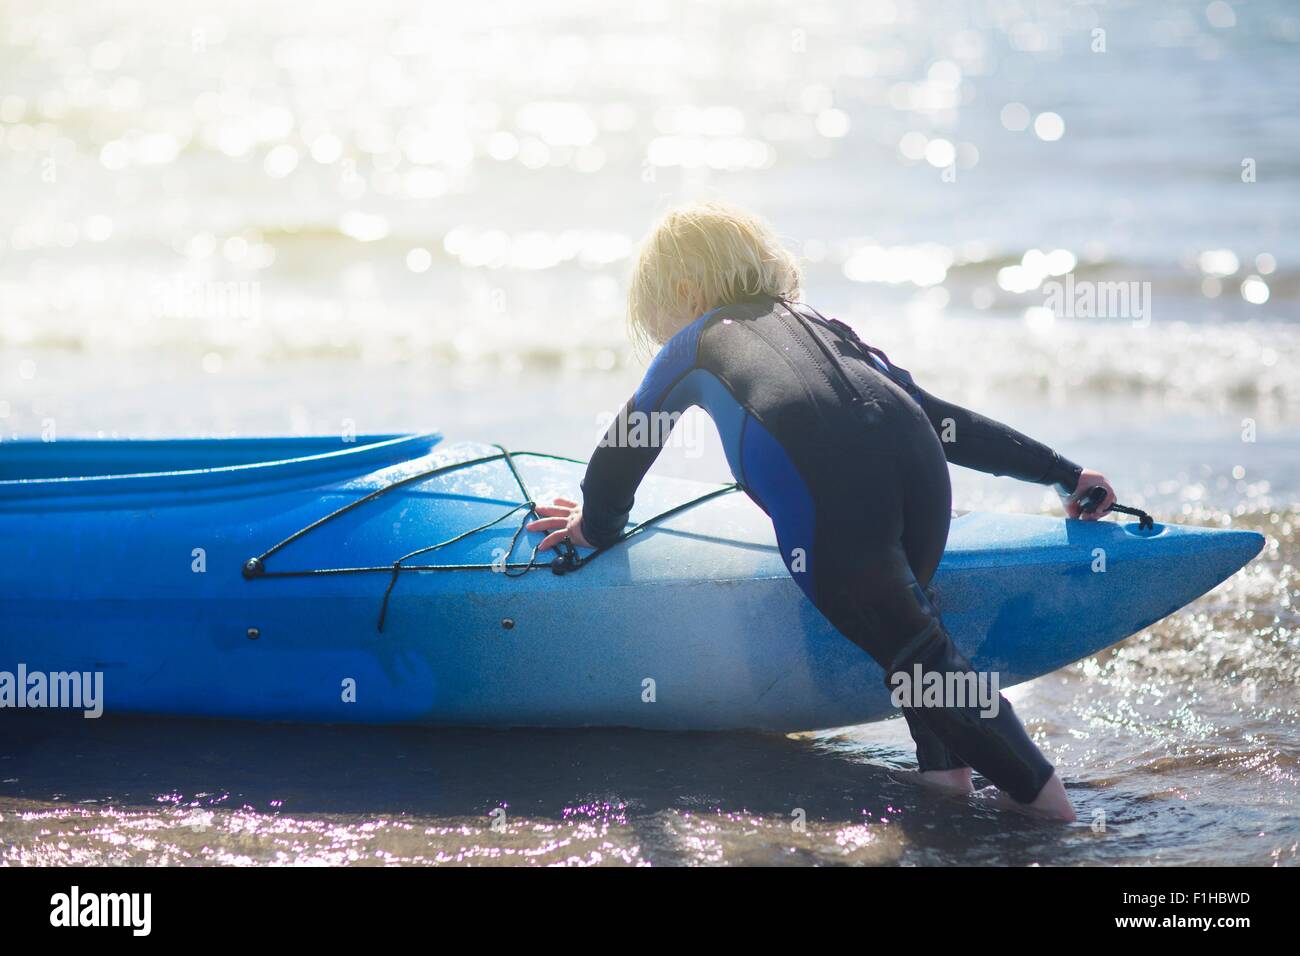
x=614 y=473
x=971 y=440
x=634 y=440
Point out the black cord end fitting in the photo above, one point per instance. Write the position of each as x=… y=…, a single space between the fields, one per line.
x=567 y=559
x=253 y=568
x=1092 y=500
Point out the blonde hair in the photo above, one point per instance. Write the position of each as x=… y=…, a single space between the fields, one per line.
x=698 y=257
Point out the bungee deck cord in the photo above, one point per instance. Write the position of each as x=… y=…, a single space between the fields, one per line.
x=568 y=559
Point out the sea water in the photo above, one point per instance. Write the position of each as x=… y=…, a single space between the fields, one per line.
x=337 y=218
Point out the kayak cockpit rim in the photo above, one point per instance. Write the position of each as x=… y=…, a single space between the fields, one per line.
x=363 y=454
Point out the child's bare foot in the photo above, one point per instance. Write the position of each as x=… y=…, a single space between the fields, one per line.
x=949 y=781
x=1051 y=802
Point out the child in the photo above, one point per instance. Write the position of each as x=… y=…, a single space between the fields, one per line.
x=841 y=449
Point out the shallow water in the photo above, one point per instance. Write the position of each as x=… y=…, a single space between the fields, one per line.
x=1179 y=747
x=259 y=222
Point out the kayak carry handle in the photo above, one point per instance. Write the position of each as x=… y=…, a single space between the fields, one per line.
x=1095 y=495
x=1092 y=499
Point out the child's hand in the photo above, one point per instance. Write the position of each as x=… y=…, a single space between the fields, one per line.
x=1087 y=480
x=563 y=519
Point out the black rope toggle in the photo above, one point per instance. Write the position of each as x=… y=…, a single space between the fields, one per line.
x=567 y=558
x=1096 y=495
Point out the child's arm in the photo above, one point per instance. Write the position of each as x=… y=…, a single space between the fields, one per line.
x=975 y=441
x=614 y=473
x=630 y=446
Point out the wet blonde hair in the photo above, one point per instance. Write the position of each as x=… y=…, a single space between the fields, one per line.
x=698 y=257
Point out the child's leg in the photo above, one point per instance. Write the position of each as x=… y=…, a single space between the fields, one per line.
x=931 y=754
x=880 y=607
x=937 y=766
x=933 y=759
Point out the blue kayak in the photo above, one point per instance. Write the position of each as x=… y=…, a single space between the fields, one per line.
x=388 y=581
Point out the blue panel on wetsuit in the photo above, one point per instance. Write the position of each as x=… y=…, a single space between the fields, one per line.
x=773 y=479
x=675 y=358
x=701 y=387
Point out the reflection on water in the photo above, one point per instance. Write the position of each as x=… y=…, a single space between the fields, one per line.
x=463 y=186
x=271 y=218
x=1179 y=747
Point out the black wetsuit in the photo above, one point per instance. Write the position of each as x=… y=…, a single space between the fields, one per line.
x=843 y=452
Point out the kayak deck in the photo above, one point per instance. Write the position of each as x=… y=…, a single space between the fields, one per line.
x=34 y=469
